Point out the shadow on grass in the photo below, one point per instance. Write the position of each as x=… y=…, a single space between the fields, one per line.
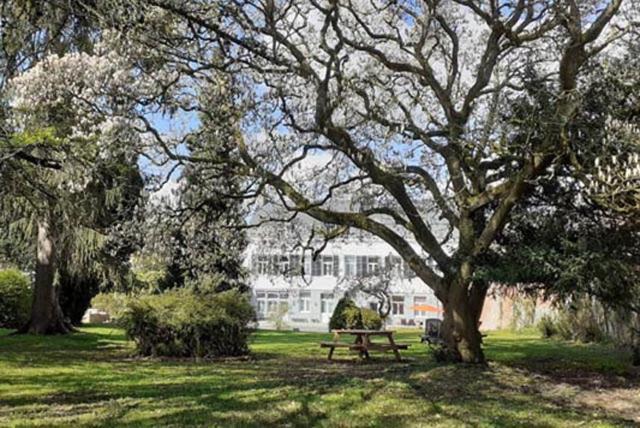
x=90 y=375
x=588 y=366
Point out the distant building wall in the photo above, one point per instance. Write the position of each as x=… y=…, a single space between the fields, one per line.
x=508 y=308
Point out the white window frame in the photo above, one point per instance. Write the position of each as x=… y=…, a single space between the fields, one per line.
x=327 y=265
x=350 y=266
x=327 y=302
x=418 y=301
x=304 y=302
x=262 y=264
x=275 y=300
x=261 y=300
x=397 y=305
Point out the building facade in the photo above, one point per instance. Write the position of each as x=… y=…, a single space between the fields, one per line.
x=290 y=288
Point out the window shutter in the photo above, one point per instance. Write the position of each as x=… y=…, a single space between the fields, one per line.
x=254 y=263
x=316 y=267
x=294 y=266
x=336 y=266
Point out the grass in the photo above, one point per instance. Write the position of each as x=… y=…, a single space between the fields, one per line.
x=91 y=379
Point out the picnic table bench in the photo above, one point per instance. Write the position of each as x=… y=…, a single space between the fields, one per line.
x=363 y=343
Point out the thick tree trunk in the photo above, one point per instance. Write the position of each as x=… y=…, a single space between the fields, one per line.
x=460 y=327
x=46 y=314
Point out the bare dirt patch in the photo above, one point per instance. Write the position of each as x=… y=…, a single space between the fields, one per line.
x=622 y=402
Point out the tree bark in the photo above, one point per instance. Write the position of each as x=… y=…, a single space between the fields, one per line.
x=460 y=327
x=46 y=314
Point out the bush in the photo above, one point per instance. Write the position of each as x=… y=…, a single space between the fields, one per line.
x=277 y=317
x=579 y=322
x=150 y=280
x=15 y=299
x=181 y=323
x=547 y=327
x=114 y=304
x=371 y=319
x=338 y=318
x=353 y=317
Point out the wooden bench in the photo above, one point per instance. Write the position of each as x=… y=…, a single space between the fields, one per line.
x=363 y=343
x=351 y=346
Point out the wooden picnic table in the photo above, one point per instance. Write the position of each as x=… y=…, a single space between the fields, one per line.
x=363 y=343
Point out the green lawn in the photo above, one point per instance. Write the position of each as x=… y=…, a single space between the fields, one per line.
x=91 y=379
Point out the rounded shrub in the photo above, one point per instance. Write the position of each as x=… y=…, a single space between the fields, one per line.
x=348 y=315
x=181 y=323
x=15 y=298
x=339 y=317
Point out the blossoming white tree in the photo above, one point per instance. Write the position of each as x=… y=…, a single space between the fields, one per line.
x=69 y=122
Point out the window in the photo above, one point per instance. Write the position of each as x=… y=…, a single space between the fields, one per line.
x=419 y=301
x=373 y=265
x=361 y=267
x=336 y=265
x=373 y=306
x=326 y=303
x=275 y=300
x=262 y=266
x=349 y=266
x=262 y=304
x=272 y=302
x=316 y=267
x=283 y=299
x=397 y=305
x=284 y=265
x=272 y=306
x=327 y=265
x=304 y=302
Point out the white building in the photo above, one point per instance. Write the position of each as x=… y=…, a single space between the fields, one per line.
x=303 y=293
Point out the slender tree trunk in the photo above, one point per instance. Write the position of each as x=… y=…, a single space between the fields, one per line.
x=46 y=314
x=460 y=327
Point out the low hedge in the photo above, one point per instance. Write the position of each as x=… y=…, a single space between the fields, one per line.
x=181 y=323
x=15 y=298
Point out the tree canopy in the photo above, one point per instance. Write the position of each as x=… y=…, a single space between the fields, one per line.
x=425 y=124
x=399 y=104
